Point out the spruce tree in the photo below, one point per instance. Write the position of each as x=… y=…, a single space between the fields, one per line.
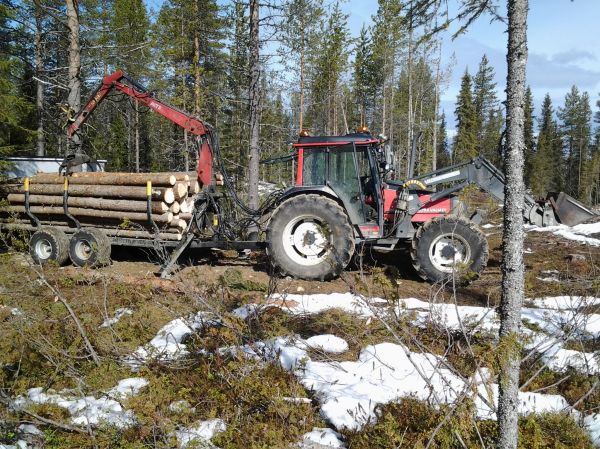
x=488 y=115
x=576 y=115
x=443 y=150
x=465 y=141
x=362 y=80
x=547 y=166
x=329 y=63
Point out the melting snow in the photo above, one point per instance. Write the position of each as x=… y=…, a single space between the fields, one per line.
x=592 y=422
x=21 y=444
x=119 y=313
x=328 y=343
x=325 y=437
x=87 y=410
x=127 y=387
x=168 y=342
x=200 y=431
x=577 y=233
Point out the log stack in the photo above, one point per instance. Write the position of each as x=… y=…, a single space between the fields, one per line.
x=116 y=202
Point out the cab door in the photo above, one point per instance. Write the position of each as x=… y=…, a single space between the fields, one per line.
x=350 y=175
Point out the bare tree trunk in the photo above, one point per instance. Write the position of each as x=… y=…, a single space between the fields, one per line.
x=39 y=97
x=302 y=85
x=436 y=106
x=409 y=134
x=254 y=97
x=136 y=127
x=74 y=81
x=512 y=239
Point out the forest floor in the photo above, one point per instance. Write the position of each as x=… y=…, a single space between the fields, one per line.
x=226 y=355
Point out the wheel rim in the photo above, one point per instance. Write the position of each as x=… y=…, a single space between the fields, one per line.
x=448 y=251
x=83 y=250
x=43 y=249
x=306 y=240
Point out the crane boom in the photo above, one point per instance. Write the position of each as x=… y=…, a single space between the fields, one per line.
x=120 y=82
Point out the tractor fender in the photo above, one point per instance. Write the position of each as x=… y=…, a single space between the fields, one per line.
x=306 y=190
x=325 y=191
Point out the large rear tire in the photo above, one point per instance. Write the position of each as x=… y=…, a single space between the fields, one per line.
x=49 y=244
x=90 y=247
x=310 y=237
x=448 y=248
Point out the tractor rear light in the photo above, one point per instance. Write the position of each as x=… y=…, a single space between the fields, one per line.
x=369 y=231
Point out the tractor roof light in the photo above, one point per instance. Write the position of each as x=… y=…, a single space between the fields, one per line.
x=304 y=133
x=363 y=129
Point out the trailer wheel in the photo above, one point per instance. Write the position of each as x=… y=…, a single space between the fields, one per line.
x=90 y=248
x=449 y=247
x=49 y=243
x=310 y=237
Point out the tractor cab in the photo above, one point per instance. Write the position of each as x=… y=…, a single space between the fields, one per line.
x=345 y=168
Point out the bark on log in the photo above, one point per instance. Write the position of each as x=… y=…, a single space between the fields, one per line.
x=82 y=212
x=119 y=192
x=158 y=207
x=183 y=176
x=112 y=232
x=108 y=178
x=184 y=216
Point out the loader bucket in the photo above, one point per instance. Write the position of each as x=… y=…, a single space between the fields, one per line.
x=568 y=210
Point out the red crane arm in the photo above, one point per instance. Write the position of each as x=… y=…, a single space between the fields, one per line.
x=143 y=96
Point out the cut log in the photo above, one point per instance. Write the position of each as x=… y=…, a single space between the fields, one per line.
x=175 y=207
x=180 y=190
x=158 y=207
x=101 y=191
x=194 y=187
x=82 y=212
x=108 y=178
x=178 y=224
x=184 y=216
x=186 y=206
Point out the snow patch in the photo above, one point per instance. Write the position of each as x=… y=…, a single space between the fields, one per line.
x=20 y=444
x=565 y=302
x=324 y=436
x=328 y=343
x=576 y=233
x=592 y=423
x=127 y=387
x=119 y=313
x=86 y=410
x=200 y=432
x=168 y=342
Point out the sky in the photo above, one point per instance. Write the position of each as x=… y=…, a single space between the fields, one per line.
x=564 y=49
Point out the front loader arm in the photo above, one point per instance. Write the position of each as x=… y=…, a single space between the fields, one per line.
x=483 y=173
x=120 y=82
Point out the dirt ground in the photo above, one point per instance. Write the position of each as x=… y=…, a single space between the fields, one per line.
x=576 y=265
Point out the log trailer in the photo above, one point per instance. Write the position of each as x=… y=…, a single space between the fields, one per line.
x=341 y=199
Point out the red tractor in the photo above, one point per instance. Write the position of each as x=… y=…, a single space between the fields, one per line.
x=341 y=199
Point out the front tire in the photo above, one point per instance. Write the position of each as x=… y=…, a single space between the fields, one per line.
x=310 y=237
x=449 y=247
